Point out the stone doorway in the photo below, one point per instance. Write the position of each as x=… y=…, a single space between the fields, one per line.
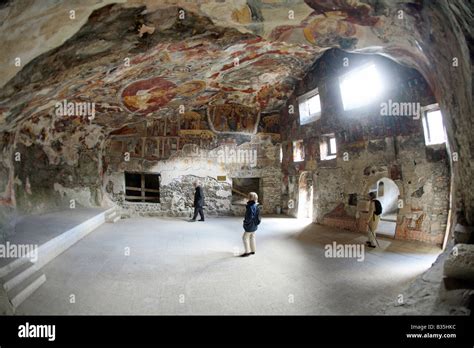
x=241 y=187
x=305 y=196
x=388 y=194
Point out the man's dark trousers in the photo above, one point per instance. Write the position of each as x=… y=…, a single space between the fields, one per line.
x=198 y=203
x=200 y=211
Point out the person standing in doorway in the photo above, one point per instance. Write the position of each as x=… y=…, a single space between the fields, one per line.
x=198 y=201
x=251 y=222
x=375 y=210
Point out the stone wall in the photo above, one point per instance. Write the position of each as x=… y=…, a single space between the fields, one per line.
x=7 y=197
x=49 y=164
x=182 y=156
x=369 y=147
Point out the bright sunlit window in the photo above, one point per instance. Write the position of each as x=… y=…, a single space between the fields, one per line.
x=360 y=87
x=309 y=107
x=298 y=151
x=332 y=146
x=433 y=127
x=327 y=147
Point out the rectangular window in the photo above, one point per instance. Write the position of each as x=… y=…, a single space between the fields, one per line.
x=298 y=151
x=433 y=126
x=309 y=107
x=327 y=147
x=141 y=187
x=332 y=146
x=360 y=87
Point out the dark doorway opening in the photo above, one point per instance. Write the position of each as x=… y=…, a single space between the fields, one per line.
x=241 y=187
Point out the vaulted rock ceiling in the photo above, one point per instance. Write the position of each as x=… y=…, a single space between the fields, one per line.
x=197 y=54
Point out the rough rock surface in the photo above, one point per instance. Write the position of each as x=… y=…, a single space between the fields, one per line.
x=427 y=294
x=460 y=262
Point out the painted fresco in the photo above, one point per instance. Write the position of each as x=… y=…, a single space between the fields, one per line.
x=148 y=95
x=158 y=139
x=143 y=77
x=270 y=125
x=222 y=66
x=233 y=118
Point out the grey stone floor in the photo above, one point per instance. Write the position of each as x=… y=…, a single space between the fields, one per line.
x=177 y=267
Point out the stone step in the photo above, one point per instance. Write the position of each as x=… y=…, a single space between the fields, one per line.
x=24 y=289
x=12 y=266
x=112 y=211
x=389 y=219
x=112 y=216
x=17 y=275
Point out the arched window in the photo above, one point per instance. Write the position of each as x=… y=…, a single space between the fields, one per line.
x=380 y=188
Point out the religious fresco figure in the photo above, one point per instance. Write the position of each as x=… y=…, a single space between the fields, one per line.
x=233 y=118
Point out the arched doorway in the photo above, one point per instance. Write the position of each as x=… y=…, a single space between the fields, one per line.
x=388 y=193
x=305 y=196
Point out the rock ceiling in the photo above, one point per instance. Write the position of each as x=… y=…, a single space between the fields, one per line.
x=149 y=59
x=134 y=62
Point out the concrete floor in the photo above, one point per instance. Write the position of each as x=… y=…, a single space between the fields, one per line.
x=177 y=267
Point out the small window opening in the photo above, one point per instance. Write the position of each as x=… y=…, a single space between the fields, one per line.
x=298 y=151
x=141 y=187
x=309 y=107
x=433 y=127
x=327 y=147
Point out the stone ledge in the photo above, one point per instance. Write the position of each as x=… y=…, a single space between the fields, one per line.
x=460 y=263
x=346 y=222
x=463 y=234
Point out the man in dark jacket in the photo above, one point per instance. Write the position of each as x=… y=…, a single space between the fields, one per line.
x=251 y=222
x=198 y=202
